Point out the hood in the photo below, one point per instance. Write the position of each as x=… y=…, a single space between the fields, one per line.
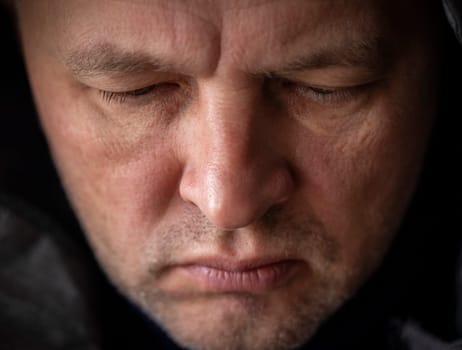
x=453 y=9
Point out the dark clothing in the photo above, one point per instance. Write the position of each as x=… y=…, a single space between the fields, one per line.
x=53 y=295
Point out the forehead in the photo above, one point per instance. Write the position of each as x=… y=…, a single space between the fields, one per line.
x=201 y=34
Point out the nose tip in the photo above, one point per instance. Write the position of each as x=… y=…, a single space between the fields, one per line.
x=232 y=200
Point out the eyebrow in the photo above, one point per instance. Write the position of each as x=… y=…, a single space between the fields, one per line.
x=106 y=58
x=371 y=54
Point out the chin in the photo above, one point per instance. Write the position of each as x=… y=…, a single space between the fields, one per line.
x=277 y=321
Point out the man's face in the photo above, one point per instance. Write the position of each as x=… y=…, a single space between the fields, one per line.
x=239 y=167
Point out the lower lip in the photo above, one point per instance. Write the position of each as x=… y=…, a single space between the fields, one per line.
x=256 y=280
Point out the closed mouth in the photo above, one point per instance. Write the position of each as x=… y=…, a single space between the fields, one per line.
x=246 y=276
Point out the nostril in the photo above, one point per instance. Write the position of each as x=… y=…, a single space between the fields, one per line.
x=232 y=213
x=238 y=199
x=280 y=186
x=188 y=187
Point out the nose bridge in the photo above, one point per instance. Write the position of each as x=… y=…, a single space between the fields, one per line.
x=231 y=127
x=233 y=176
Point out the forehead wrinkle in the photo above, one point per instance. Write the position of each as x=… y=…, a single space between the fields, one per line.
x=229 y=6
x=93 y=51
x=106 y=59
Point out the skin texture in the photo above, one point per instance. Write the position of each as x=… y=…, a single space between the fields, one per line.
x=281 y=130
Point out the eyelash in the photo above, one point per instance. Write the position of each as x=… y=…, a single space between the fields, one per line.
x=318 y=94
x=120 y=97
x=328 y=96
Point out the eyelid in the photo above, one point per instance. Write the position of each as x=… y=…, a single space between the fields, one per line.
x=330 y=96
x=142 y=96
x=331 y=77
x=110 y=96
x=325 y=95
x=125 y=85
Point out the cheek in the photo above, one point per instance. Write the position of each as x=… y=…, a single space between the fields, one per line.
x=119 y=204
x=359 y=183
x=120 y=181
x=99 y=172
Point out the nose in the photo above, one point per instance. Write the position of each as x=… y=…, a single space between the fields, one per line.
x=234 y=168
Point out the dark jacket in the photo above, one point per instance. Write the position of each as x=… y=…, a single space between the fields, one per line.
x=53 y=295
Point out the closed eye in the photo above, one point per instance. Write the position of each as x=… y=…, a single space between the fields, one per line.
x=324 y=95
x=122 y=96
